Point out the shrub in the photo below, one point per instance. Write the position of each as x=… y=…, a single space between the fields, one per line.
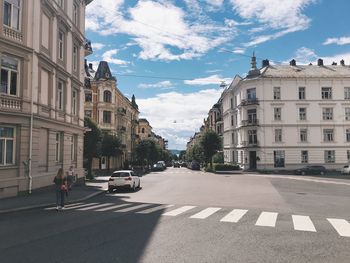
x=226 y=167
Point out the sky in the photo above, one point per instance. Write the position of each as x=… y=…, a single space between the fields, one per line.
x=174 y=54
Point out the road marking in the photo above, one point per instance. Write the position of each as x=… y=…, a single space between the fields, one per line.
x=179 y=211
x=53 y=208
x=132 y=208
x=94 y=206
x=79 y=206
x=341 y=226
x=303 y=223
x=154 y=209
x=206 y=213
x=112 y=207
x=234 y=216
x=267 y=219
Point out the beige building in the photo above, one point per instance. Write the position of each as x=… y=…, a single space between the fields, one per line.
x=42 y=49
x=288 y=116
x=144 y=129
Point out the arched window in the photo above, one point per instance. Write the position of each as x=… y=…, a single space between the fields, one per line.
x=143 y=130
x=107 y=96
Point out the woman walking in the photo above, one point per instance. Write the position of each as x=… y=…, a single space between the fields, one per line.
x=61 y=188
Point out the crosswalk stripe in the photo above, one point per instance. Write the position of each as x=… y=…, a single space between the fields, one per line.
x=94 y=206
x=234 y=216
x=179 y=211
x=154 y=209
x=267 y=219
x=303 y=223
x=112 y=207
x=53 y=208
x=79 y=206
x=132 y=208
x=341 y=226
x=206 y=213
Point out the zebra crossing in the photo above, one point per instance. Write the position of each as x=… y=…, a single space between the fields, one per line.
x=265 y=219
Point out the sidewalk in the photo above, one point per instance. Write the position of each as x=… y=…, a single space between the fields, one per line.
x=46 y=196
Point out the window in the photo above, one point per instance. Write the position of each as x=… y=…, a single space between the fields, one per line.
x=327 y=93
x=278 y=157
x=304 y=156
x=60 y=93
x=74 y=102
x=301 y=93
x=303 y=135
x=232 y=138
x=251 y=94
x=143 y=130
x=75 y=58
x=252 y=116
x=252 y=137
x=302 y=114
x=107 y=96
x=277 y=114
x=60 y=45
x=278 y=135
x=7 y=146
x=88 y=113
x=236 y=119
x=12 y=13
x=58 y=147
x=88 y=97
x=106 y=116
x=73 y=147
x=328 y=135
x=232 y=120
x=235 y=100
x=347 y=114
x=75 y=14
x=276 y=93
x=9 y=75
x=327 y=113
x=231 y=103
x=347 y=93
x=60 y=3
x=347 y=135
x=329 y=156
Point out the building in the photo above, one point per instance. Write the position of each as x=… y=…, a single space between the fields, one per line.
x=144 y=129
x=112 y=112
x=288 y=116
x=42 y=49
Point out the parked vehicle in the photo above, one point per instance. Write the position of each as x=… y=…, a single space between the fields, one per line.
x=158 y=167
x=163 y=164
x=311 y=169
x=183 y=164
x=123 y=179
x=176 y=165
x=345 y=169
x=195 y=165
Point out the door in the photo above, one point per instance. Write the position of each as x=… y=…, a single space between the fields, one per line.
x=252 y=160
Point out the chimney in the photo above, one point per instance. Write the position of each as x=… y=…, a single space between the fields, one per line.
x=90 y=66
x=320 y=62
x=293 y=62
x=265 y=63
x=342 y=62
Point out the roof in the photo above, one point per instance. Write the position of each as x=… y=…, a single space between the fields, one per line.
x=103 y=72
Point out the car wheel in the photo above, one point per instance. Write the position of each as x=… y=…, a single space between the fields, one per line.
x=133 y=188
x=302 y=173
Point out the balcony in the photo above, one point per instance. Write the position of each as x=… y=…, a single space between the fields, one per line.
x=10 y=104
x=87 y=47
x=247 y=123
x=247 y=102
x=250 y=144
x=121 y=111
x=12 y=34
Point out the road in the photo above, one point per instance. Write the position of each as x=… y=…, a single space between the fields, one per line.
x=181 y=215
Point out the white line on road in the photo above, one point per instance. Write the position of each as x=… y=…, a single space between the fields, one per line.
x=112 y=207
x=79 y=206
x=53 y=208
x=267 y=219
x=206 y=213
x=132 y=208
x=234 y=216
x=341 y=225
x=94 y=206
x=179 y=211
x=154 y=209
x=303 y=223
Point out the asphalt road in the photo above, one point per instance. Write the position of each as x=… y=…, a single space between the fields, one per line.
x=186 y=216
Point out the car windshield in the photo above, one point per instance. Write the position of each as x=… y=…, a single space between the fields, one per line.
x=121 y=174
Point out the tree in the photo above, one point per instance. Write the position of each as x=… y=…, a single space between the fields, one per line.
x=92 y=143
x=195 y=153
x=182 y=155
x=210 y=143
x=111 y=146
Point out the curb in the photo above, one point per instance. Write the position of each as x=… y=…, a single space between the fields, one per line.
x=25 y=208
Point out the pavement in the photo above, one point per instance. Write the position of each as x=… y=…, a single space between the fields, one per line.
x=46 y=196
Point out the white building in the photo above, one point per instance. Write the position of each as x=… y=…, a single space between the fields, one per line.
x=288 y=116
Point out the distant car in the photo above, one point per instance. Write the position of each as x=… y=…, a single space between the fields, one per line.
x=195 y=165
x=158 y=167
x=183 y=164
x=345 y=169
x=123 y=179
x=176 y=165
x=162 y=163
x=311 y=169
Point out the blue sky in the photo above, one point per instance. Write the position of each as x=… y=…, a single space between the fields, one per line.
x=185 y=48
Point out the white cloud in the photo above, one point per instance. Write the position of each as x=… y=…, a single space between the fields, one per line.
x=234 y=23
x=97 y=46
x=211 y=80
x=239 y=50
x=338 y=41
x=176 y=116
x=108 y=56
x=163 y=85
x=216 y=3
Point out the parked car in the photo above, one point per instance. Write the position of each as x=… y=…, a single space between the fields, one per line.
x=176 y=165
x=123 y=179
x=311 y=169
x=158 y=167
x=345 y=169
x=183 y=164
x=163 y=164
x=195 y=165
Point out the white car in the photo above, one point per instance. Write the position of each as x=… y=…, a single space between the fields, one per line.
x=123 y=179
x=345 y=169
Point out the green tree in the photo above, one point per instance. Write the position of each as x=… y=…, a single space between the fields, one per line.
x=210 y=143
x=182 y=155
x=92 y=143
x=110 y=146
x=195 y=153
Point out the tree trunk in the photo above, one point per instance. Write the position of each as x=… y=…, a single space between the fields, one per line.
x=89 y=167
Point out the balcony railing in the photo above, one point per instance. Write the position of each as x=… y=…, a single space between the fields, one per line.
x=11 y=104
x=13 y=34
x=250 y=143
x=87 y=47
x=253 y=122
x=251 y=101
